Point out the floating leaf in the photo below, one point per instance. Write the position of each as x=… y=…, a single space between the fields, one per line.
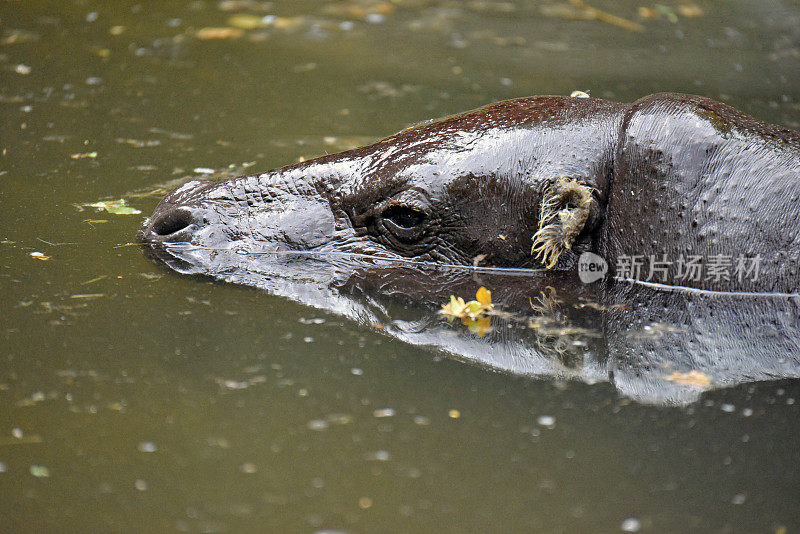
x=484 y=296
x=692 y=378
x=40 y=471
x=117 y=207
x=90 y=155
x=39 y=256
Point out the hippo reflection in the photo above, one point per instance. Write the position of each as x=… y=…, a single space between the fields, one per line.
x=677 y=189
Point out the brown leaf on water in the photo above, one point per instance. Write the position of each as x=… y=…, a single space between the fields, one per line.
x=690 y=10
x=209 y=33
x=246 y=22
x=692 y=378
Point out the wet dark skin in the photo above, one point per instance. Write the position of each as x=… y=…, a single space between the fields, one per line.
x=667 y=175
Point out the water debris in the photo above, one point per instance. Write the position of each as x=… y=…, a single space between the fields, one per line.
x=16 y=36
x=203 y=170
x=453 y=414
x=87 y=296
x=245 y=21
x=250 y=5
x=95 y=221
x=383 y=412
x=39 y=471
x=579 y=10
x=138 y=143
x=39 y=256
x=22 y=69
x=371 y=11
x=84 y=155
x=692 y=378
x=317 y=425
x=116 y=207
x=379 y=456
x=249 y=468
x=579 y=94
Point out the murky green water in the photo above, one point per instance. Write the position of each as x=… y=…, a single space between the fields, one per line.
x=137 y=400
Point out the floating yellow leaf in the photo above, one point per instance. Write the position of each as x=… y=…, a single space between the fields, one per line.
x=484 y=296
x=692 y=378
x=39 y=256
x=480 y=326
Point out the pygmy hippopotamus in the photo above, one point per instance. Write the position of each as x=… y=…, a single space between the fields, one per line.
x=673 y=189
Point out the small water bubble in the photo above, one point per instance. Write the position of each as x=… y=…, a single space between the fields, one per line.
x=140 y=484
x=17 y=432
x=2 y=467
x=381 y=456
x=631 y=525
x=421 y=420
x=174 y=23
x=93 y=80
x=546 y=420
x=747 y=412
x=147 y=446
x=346 y=26
x=383 y=412
x=91 y=17
x=375 y=18
x=356 y=371
x=317 y=425
x=728 y=408
x=249 y=468
x=308 y=339
x=739 y=498
x=506 y=81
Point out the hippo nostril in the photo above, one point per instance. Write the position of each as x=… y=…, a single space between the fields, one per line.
x=171 y=222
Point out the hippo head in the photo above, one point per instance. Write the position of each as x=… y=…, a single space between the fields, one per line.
x=384 y=234
x=506 y=185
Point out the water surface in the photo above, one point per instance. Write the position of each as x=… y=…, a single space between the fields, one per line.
x=138 y=400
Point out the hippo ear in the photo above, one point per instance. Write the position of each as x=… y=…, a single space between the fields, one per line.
x=566 y=205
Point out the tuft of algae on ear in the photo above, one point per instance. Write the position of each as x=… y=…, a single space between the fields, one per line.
x=565 y=209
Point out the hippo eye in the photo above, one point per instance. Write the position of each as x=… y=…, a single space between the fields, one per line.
x=403 y=217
